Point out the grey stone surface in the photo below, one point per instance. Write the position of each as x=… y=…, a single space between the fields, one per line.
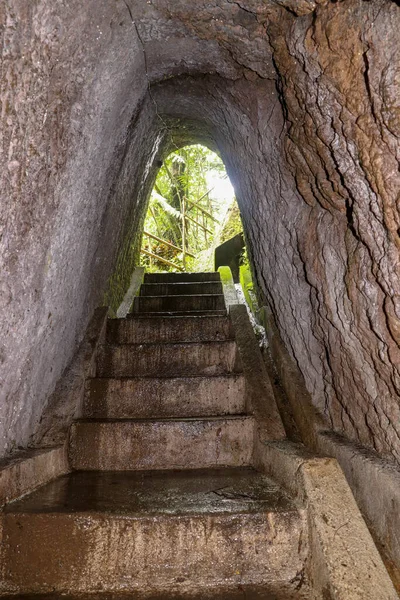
x=344 y=561
x=301 y=101
x=173 y=532
x=121 y=445
x=138 y=398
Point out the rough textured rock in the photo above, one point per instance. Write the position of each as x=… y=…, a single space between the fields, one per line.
x=301 y=100
x=339 y=73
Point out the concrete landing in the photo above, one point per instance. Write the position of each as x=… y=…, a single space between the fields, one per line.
x=128 y=532
x=196 y=492
x=242 y=592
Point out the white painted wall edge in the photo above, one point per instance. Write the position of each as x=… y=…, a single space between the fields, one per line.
x=136 y=282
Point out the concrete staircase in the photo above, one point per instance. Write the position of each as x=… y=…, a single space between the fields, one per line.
x=163 y=500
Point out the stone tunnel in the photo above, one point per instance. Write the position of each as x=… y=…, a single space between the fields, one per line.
x=301 y=100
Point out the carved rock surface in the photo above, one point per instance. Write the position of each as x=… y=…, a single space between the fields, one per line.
x=301 y=99
x=339 y=71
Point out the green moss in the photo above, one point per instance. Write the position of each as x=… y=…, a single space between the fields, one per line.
x=226 y=275
x=246 y=282
x=120 y=280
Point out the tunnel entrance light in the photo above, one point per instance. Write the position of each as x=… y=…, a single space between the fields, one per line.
x=187 y=211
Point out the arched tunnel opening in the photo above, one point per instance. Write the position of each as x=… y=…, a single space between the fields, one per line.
x=299 y=99
x=192 y=210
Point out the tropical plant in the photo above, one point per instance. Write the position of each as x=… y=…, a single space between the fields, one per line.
x=183 y=214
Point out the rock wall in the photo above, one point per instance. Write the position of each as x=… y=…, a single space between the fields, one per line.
x=339 y=74
x=300 y=99
x=67 y=93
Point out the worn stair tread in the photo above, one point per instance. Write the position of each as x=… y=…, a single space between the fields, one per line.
x=240 y=592
x=208 y=343
x=155 y=532
x=141 y=397
x=201 y=315
x=161 y=443
x=149 y=493
x=168 y=359
x=172 y=303
x=181 y=288
x=155 y=420
x=220 y=295
x=173 y=318
x=179 y=313
x=179 y=277
x=171 y=328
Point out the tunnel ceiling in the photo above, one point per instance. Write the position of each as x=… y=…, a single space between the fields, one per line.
x=300 y=99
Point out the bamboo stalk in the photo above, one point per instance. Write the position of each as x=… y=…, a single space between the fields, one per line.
x=168 y=262
x=167 y=243
x=199 y=224
x=209 y=215
x=183 y=233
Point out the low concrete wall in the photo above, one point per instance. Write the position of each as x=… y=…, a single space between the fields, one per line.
x=344 y=563
x=374 y=481
x=25 y=472
x=29 y=470
x=260 y=399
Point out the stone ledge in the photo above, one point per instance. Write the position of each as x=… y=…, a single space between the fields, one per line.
x=29 y=470
x=260 y=399
x=375 y=484
x=47 y=458
x=374 y=481
x=344 y=563
x=127 y=302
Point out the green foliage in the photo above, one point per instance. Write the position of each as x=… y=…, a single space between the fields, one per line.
x=181 y=189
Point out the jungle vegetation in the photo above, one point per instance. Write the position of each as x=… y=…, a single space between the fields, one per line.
x=192 y=209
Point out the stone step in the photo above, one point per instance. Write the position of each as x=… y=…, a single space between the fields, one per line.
x=280 y=591
x=165 y=533
x=180 y=277
x=143 y=398
x=203 y=302
x=161 y=443
x=168 y=360
x=179 y=313
x=184 y=288
x=169 y=329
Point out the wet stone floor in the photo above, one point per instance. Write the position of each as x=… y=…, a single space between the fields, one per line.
x=138 y=494
x=240 y=593
x=211 y=491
